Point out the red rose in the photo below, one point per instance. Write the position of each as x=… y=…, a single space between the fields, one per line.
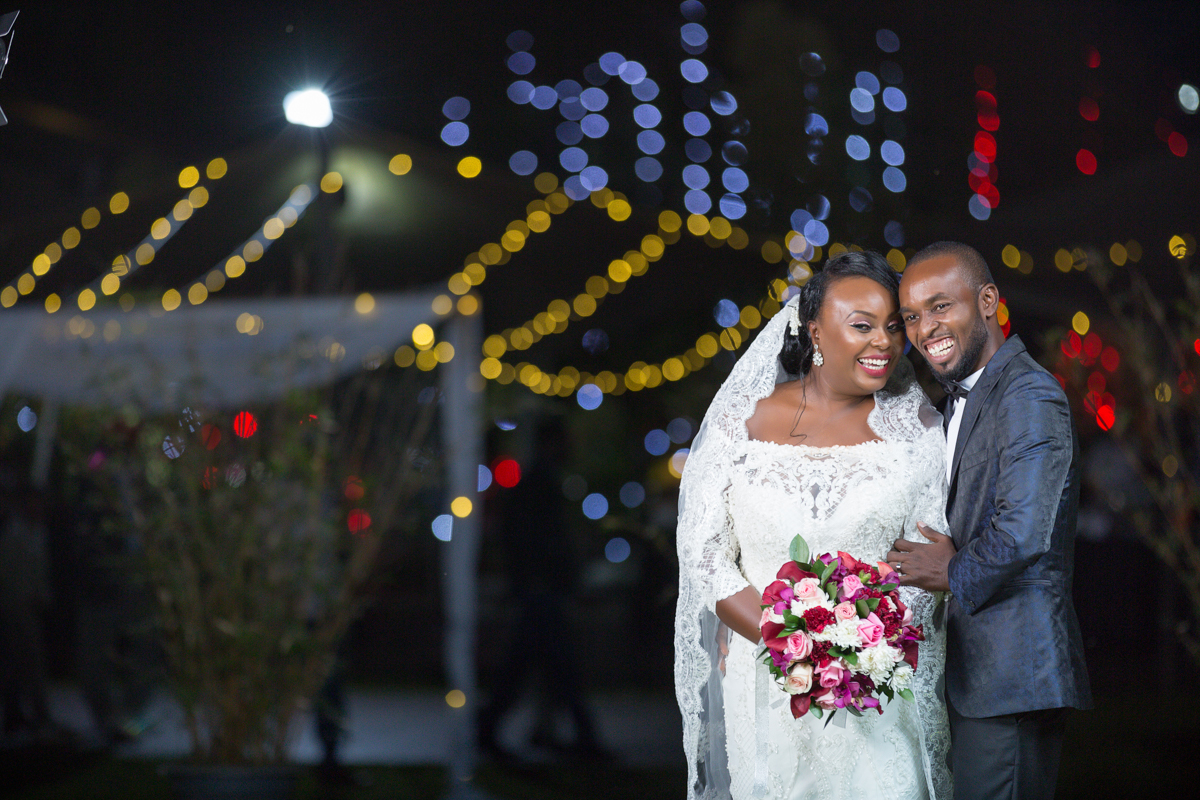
x=791 y=571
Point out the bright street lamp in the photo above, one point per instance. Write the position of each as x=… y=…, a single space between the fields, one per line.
x=308 y=107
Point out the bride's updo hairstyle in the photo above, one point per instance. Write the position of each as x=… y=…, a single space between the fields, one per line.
x=797 y=351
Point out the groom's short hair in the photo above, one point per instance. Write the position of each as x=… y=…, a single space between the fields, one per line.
x=972 y=263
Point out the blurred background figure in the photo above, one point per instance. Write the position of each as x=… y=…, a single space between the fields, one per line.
x=24 y=598
x=543 y=580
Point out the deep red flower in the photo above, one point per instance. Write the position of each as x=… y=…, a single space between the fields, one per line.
x=770 y=632
x=800 y=704
x=791 y=571
x=816 y=618
x=771 y=594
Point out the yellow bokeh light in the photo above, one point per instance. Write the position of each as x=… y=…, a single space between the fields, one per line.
x=41 y=264
x=490 y=368
x=1002 y=314
x=182 y=210
x=697 y=225
x=118 y=203
x=161 y=228
x=86 y=300
x=596 y=286
x=442 y=305
x=26 y=283
x=245 y=322
x=652 y=247
x=253 y=251
x=772 y=253
x=426 y=360
x=364 y=303
x=197 y=293
x=559 y=310
x=121 y=265
x=188 y=177
x=1011 y=256
x=512 y=241
x=273 y=228
x=70 y=238
x=539 y=221
x=546 y=182
x=1178 y=248
x=602 y=197
x=458 y=283
x=90 y=218
x=720 y=228
x=53 y=252
x=467 y=305
x=1170 y=465
x=1080 y=323
x=216 y=169
x=619 y=210
x=198 y=197
x=620 y=271
x=400 y=164
x=1062 y=260
x=331 y=182
x=750 y=318
x=1162 y=392
x=672 y=369
x=171 y=299
x=443 y=352
x=669 y=221
x=405 y=356
x=1134 y=249
x=706 y=345
x=469 y=167
x=557 y=202
x=215 y=280
x=475 y=273
x=1117 y=254
x=731 y=339
x=1026 y=265
x=491 y=253
x=235 y=266
x=422 y=336
x=897 y=260
x=584 y=305
x=53 y=303
x=738 y=238
x=637 y=262
x=8 y=297
x=494 y=346
x=455 y=698
x=110 y=284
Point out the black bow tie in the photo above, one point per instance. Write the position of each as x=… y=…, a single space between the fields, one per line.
x=955 y=392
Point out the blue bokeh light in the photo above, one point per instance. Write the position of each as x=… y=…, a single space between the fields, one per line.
x=523 y=162
x=816 y=233
x=611 y=62
x=594 y=126
x=595 y=506
x=544 y=97
x=645 y=91
x=732 y=206
x=484 y=480
x=857 y=147
x=680 y=430
x=443 y=527
x=657 y=442
x=894 y=180
x=455 y=133
x=520 y=92
x=818 y=206
x=697 y=202
x=979 y=207
x=696 y=123
x=695 y=176
x=632 y=494
x=894 y=99
x=647 y=116
x=521 y=62
x=573 y=159
x=569 y=132
x=456 y=108
x=650 y=142
x=868 y=82
x=815 y=125
x=589 y=397
x=617 y=550
x=887 y=40
x=861 y=199
x=593 y=99
x=632 y=73
x=735 y=179
x=893 y=234
x=693 y=70
x=734 y=153
x=892 y=153
x=697 y=150
x=593 y=178
x=648 y=169
x=727 y=315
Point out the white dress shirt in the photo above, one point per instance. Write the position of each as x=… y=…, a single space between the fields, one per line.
x=956 y=412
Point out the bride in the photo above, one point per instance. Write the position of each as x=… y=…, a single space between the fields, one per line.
x=821 y=430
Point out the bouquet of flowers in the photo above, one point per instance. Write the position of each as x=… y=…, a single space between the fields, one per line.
x=836 y=634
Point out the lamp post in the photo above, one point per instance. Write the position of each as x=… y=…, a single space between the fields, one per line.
x=310 y=108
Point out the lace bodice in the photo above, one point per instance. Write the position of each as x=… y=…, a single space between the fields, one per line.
x=741 y=502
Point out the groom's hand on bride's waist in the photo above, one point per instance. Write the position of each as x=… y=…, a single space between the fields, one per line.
x=923 y=565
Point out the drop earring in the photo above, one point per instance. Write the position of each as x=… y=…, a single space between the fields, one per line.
x=818 y=359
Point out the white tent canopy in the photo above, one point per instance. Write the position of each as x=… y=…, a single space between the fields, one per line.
x=196 y=356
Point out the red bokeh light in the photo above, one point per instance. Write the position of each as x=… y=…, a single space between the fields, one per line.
x=1086 y=162
x=1196 y=346
x=210 y=477
x=1110 y=359
x=1186 y=382
x=985 y=146
x=358 y=521
x=1061 y=381
x=1092 y=345
x=1178 y=144
x=244 y=424
x=1091 y=402
x=1106 y=416
x=210 y=435
x=352 y=488
x=1072 y=345
x=1089 y=109
x=985 y=77
x=1005 y=328
x=1096 y=382
x=985 y=109
x=1093 y=57
x=507 y=473
x=988 y=194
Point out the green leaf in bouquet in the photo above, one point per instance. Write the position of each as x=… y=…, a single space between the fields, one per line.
x=790 y=620
x=799 y=549
x=873 y=603
x=827 y=571
x=832 y=591
x=860 y=605
x=850 y=657
x=888 y=587
x=853 y=710
x=906 y=694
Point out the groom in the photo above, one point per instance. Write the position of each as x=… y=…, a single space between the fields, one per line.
x=1014 y=660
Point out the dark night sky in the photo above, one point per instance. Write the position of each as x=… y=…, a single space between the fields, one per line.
x=103 y=97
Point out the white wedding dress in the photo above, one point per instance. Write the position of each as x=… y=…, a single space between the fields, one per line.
x=741 y=503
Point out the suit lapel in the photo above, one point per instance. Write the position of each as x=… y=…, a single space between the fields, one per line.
x=977 y=398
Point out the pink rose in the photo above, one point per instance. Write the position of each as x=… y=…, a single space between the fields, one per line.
x=827 y=700
x=833 y=673
x=799 y=679
x=765 y=618
x=799 y=646
x=844 y=611
x=808 y=591
x=851 y=585
x=870 y=630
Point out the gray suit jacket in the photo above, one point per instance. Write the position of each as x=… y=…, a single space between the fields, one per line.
x=1013 y=640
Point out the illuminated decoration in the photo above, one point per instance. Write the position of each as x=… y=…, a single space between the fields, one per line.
x=1189 y=98
x=27 y=419
x=595 y=506
x=358 y=520
x=617 y=550
x=461 y=507
x=352 y=488
x=309 y=107
x=632 y=494
x=443 y=527
x=981 y=163
x=507 y=473
x=210 y=435
x=455 y=698
x=244 y=424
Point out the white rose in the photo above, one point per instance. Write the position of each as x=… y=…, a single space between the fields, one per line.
x=902 y=677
